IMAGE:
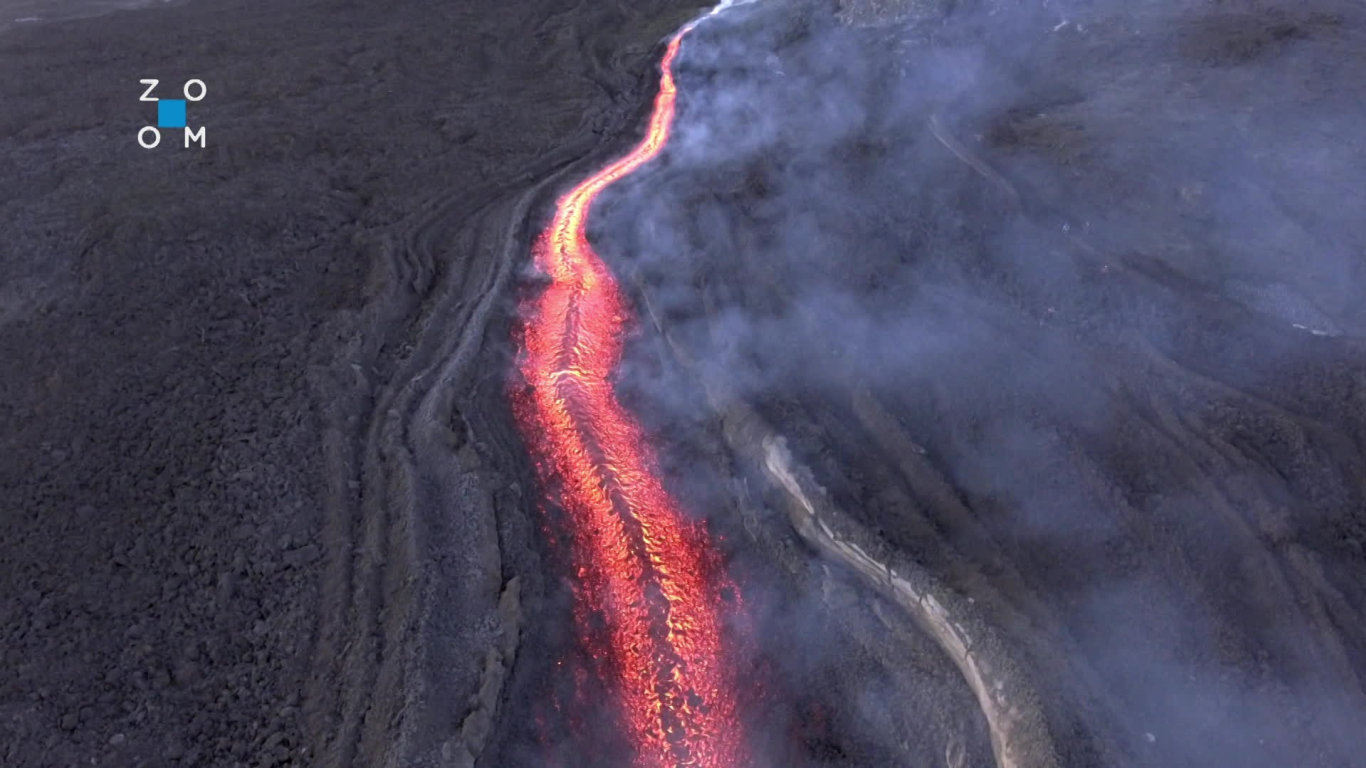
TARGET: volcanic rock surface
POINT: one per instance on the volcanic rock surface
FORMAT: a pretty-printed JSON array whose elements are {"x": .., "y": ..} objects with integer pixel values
[{"x": 1014, "y": 356}]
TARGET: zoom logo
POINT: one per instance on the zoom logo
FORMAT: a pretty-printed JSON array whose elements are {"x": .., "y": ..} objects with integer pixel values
[{"x": 171, "y": 113}]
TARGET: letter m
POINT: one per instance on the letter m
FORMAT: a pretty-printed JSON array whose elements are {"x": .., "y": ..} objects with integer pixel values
[{"x": 193, "y": 136}]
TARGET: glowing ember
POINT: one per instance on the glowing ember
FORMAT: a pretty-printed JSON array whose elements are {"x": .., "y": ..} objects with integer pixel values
[{"x": 647, "y": 588}]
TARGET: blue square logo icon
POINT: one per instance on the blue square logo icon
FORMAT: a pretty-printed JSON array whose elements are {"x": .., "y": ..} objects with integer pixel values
[{"x": 171, "y": 113}]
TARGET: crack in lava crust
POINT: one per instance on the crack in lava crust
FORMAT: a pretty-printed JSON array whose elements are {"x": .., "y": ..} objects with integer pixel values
[{"x": 649, "y": 584}]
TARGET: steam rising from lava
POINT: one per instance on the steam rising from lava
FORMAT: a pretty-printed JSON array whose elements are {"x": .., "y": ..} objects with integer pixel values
[{"x": 830, "y": 219}]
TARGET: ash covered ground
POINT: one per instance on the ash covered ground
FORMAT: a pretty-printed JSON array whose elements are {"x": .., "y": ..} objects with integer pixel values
[{"x": 1043, "y": 314}]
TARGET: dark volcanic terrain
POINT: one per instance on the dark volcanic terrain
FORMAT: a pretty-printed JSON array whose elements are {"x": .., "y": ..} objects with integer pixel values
[{"x": 1014, "y": 353}]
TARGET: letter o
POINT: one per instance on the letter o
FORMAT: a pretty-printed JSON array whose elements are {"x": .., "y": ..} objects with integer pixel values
[
  {"x": 155, "y": 134},
  {"x": 203, "y": 90}
]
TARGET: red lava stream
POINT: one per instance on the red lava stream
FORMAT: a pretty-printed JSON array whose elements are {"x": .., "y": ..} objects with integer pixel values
[{"x": 648, "y": 585}]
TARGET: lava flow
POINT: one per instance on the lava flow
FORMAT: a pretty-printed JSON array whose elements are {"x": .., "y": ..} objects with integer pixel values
[{"x": 647, "y": 582}]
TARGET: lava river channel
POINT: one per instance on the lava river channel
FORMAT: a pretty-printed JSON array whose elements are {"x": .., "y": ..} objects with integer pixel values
[{"x": 648, "y": 585}]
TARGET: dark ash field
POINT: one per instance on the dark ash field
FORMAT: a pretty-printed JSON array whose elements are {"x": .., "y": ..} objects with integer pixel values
[{"x": 1014, "y": 352}]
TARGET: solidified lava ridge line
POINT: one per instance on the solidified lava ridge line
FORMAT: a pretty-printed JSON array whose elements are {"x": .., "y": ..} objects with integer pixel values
[{"x": 648, "y": 584}]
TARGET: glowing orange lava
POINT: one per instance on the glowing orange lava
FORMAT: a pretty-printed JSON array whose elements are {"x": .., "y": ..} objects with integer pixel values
[{"x": 648, "y": 588}]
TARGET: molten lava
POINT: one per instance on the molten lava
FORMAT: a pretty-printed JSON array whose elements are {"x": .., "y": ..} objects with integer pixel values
[{"x": 648, "y": 588}]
